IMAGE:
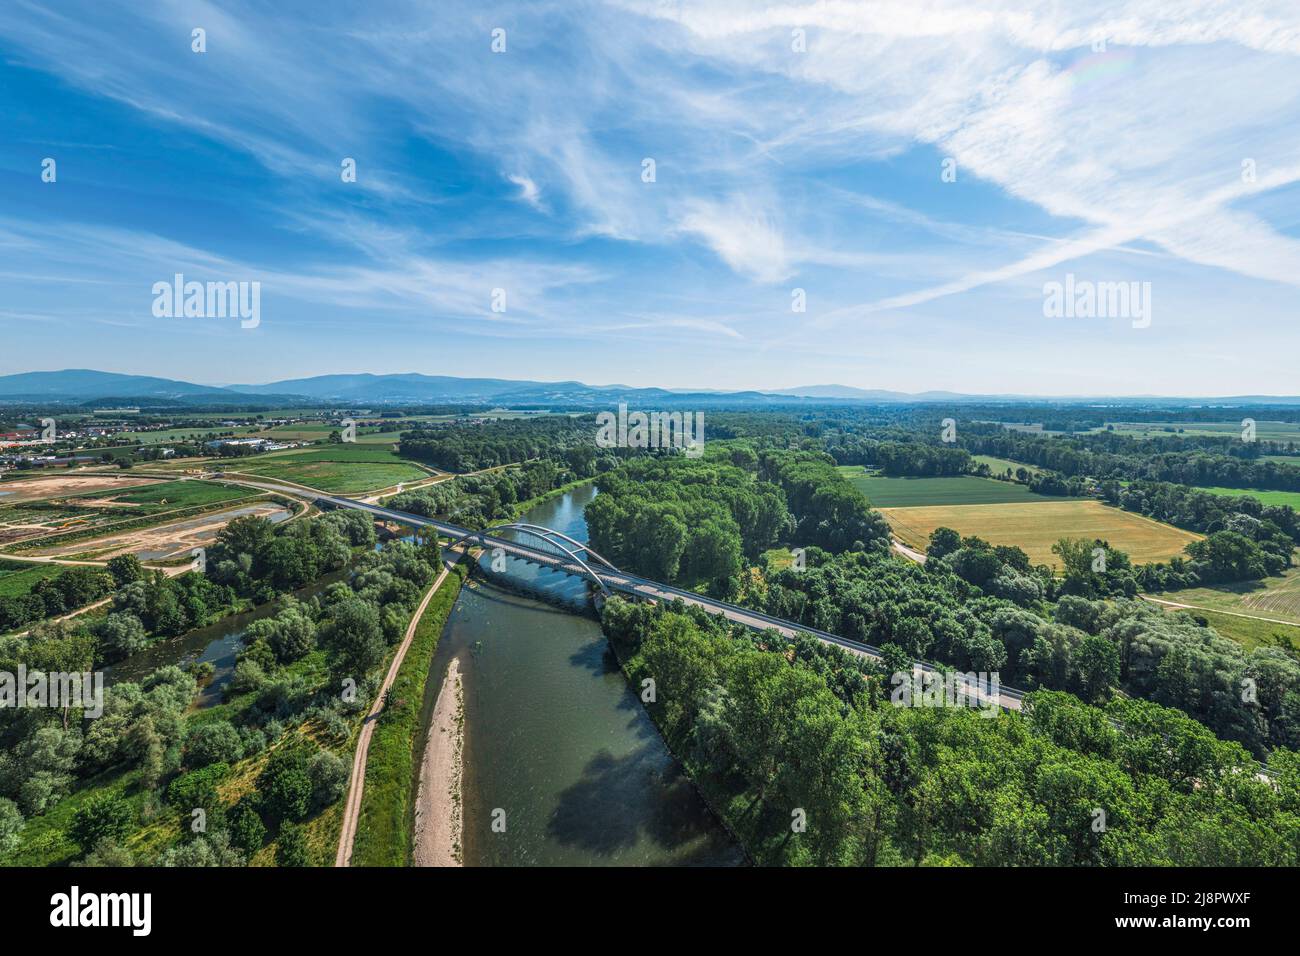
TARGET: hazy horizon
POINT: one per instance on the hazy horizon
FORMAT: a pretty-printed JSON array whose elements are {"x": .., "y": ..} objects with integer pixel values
[{"x": 1083, "y": 397}]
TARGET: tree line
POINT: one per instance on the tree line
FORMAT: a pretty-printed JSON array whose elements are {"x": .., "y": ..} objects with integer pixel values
[
  {"x": 477, "y": 501},
  {"x": 1109, "y": 456},
  {"x": 979, "y": 608}
]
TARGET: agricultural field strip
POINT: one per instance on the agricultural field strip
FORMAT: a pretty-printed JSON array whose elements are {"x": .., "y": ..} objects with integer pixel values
[
  {"x": 1036, "y": 526},
  {"x": 885, "y": 492},
  {"x": 1263, "y": 496}
]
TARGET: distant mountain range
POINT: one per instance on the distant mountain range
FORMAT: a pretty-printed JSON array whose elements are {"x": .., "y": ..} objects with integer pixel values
[
  {"x": 80, "y": 384},
  {"x": 848, "y": 392},
  {"x": 83, "y": 386}
]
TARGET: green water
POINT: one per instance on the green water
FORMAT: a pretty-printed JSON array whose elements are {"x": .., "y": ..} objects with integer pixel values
[{"x": 556, "y": 740}]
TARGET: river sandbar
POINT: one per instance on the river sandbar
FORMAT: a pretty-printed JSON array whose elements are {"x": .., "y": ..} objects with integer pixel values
[{"x": 437, "y": 839}]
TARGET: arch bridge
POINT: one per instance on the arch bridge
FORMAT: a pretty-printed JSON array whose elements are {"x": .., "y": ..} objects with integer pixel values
[{"x": 569, "y": 548}]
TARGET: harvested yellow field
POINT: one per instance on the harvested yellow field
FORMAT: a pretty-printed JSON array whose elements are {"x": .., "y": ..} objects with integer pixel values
[{"x": 1036, "y": 526}]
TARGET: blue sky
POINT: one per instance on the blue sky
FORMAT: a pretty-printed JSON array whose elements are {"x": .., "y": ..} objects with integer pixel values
[{"x": 777, "y": 168}]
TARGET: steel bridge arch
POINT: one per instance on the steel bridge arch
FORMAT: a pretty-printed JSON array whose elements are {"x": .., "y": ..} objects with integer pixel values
[{"x": 550, "y": 536}]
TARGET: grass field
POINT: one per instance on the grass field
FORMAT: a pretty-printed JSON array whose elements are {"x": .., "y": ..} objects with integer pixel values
[
  {"x": 166, "y": 495},
  {"x": 309, "y": 431},
  {"x": 999, "y": 465},
  {"x": 1249, "y": 632},
  {"x": 1291, "y": 498},
  {"x": 913, "y": 492},
  {"x": 19, "y": 577},
  {"x": 350, "y": 452},
  {"x": 1036, "y": 526},
  {"x": 336, "y": 468},
  {"x": 1276, "y": 597},
  {"x": 1264, "y": 431}
]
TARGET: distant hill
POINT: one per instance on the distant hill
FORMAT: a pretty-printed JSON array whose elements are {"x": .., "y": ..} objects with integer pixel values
[
  {"x": 80, "y": 386},
  {"x": 412, "y": 387},
  {"x": 874, "y": 394}
]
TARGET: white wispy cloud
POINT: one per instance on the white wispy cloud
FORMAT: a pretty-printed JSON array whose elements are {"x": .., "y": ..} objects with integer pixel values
[
  {"x": 742, "y": 235},
  {"x": 773, "y": 164},
  {"x": 528, "y": 191},
  {"x": 1115, "y": 138}
]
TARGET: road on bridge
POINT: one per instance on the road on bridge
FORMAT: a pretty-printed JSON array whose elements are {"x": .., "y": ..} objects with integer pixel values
[{"x": 1009, "y": 698}]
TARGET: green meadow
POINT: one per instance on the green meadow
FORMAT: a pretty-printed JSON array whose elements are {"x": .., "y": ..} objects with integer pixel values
[
  {"x": 1291, "y": 498},
  {"x": 344, "y": 469},
  {"x": 885, "y": 492}
]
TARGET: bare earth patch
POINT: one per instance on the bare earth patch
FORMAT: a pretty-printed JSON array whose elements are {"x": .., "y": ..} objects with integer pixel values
[
  {"x": 438, "y": 804},
  {"x": 174, "y": 539},
  {"x": 34, "y": 489}
]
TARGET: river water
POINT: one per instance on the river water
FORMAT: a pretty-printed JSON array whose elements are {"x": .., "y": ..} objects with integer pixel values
[
  {"x": 557, "y": 746},
  {"x": 555, "y": 738}
]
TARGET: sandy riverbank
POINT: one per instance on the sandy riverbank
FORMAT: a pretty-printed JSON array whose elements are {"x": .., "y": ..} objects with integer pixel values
[{"x": 438, "y": 804}]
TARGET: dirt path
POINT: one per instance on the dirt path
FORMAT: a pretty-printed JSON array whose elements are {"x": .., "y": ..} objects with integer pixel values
[
  {"x": 905, "y": 551},
  {"x": 43, "y": 559},
  {"x": 374, "y": 496},
  {"x": 438, "y": 804},
  {"x": 1213, "y": 610},
  {"x": 356, "y": 786}
]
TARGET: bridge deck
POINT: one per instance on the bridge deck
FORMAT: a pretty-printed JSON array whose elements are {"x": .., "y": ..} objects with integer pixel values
[{"x": 633, "y": 585}]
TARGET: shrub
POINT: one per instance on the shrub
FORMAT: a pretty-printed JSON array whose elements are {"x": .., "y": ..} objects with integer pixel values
[
  {"x": 292, "y": 848},
  {"x": 247, "y": 831},
  {"x": 198, "y": 787},
  {"x": 285, "y": 784},
  {"x": 217, "y": 742},
  {"x": 329, "y": 778},
  {"x": 107, "y": 816}
]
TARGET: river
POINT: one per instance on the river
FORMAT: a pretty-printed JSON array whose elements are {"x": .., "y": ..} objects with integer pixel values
[{"x": 557, "y": 746}]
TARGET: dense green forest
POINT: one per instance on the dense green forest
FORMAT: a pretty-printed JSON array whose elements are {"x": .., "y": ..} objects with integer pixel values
[
  {"x": 974, "y": 611},
  {"x": 476, "y": 501},
  {"x": 462, "y": 448},
  {"x": 703, "y": 522},
  {"x": 798, "y": 749},
  {"x": 706, "y": 523}
]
